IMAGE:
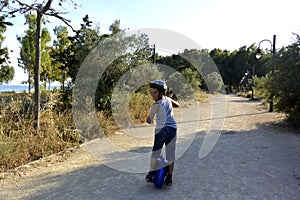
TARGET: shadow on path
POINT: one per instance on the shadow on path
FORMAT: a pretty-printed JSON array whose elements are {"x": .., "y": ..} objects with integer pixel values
[{"x": 247, "y": 165}]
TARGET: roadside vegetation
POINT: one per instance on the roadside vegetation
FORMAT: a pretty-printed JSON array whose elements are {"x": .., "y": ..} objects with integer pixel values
[{"x": 19, "y": 143}]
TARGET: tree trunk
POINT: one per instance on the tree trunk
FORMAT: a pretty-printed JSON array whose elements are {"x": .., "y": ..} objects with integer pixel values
[
  {"x": 29, "y": 79},
  {"x": 63, "y": 80},
  {"x": 40, "y": 12},
  {"x": 37, "y": 74}
]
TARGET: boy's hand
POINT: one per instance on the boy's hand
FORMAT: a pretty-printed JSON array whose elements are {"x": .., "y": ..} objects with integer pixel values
[{"x": 148, "y": 120}]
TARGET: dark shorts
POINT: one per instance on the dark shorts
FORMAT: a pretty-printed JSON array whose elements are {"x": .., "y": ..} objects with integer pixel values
[{"x": 166, "y": 136}]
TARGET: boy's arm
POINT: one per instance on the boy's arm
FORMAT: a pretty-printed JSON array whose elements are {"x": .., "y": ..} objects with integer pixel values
[
  {"x": 153, "y": 110},
  {"x": 175, "y": 104}
]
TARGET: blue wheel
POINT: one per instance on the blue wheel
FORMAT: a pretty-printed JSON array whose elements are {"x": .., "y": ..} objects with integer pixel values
[{"x": 159, "y": 177}]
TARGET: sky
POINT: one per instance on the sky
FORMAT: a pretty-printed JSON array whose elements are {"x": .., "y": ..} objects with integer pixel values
[{"x": 224, "y": 24}]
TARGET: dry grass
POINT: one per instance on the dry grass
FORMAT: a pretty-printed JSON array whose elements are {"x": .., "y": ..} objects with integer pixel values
[
  {"x": 139, "y": 106},
  {"x": 202, "y": 96},
  {"x": 18, "y": 142}
]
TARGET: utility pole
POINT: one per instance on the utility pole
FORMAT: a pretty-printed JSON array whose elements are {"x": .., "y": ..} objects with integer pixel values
[
  {"x": 258, "y": 56},
  {"x": 273, "y": 67},
  {"x": 154, "y": 54}
]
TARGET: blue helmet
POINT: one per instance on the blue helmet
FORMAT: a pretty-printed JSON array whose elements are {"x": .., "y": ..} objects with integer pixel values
[{"x": 159, "y": 85}]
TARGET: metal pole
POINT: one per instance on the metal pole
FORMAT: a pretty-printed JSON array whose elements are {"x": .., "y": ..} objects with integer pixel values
[
  {"x": 273, "y": 68},
  {"x": 154, "y": 55},
  {"x": 252, "y": 84}
]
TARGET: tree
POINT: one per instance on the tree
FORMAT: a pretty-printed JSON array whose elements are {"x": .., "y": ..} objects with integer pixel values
[
  {"x": 27, "y": 53},
  {"x": 82, "y": 43},
  {"x": 223, "y": 60},
  {"x": 6, "y": 71},
  {"x": 214, "y": 81},
  {"x": 41, "y": 9},
  {"x": 61, "y": 54},
  {"x": 115, "y": 27},
  {"x": 190, "y": 64},
  {"x": 134, "y": 52},
  {"x": 283, "y": 87},
  {"x": 286, "y": 82},
  {"x": 48, "y": 71}
]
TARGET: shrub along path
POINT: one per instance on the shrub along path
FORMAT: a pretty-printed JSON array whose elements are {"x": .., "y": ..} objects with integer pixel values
[{"x": 253, "y": 159}]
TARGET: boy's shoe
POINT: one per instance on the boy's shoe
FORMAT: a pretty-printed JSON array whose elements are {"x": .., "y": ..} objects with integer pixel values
[
  {"x": 149, "y": 177},
  {"x": 168, "y": 180}
]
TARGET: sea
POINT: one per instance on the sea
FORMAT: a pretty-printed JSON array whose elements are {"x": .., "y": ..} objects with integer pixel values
[{"x": 20, "y": 88}]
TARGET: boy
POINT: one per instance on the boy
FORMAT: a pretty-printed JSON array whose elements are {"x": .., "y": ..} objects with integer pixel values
[{"x": 166, "y": 128}]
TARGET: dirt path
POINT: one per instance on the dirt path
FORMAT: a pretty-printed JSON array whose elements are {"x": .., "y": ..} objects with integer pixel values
[{"x": 251, "y": 160}]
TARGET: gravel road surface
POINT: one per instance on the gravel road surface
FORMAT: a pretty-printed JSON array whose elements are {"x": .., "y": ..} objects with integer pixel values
[{"x": 252, "y": 159}]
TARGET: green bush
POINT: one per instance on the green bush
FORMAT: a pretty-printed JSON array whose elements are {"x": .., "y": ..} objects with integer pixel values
[
  {"x": 214, "y": 82},
  {"x": 284, "y": 85},
  {"x": 263, "y": 87}
]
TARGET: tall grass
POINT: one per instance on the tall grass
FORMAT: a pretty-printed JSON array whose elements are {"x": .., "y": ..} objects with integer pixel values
[
  {"x": 139, "y": 106},
  {"x": 19, "y": 143}
]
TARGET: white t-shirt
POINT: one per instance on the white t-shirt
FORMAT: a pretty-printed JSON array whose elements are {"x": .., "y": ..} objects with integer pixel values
[{"x": 164, "y": 113}]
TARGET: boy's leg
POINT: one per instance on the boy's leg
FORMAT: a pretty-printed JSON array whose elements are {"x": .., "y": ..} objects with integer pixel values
[
  {"x": 152, "y": 169},
  {"x": 156, "y": 151},
  {"x": 170, "y": 149},
  {"x": 171, "y": 167},
  {"x": 168, "y": 179},
  {"x": 170, "y": 154},
  {"x": 153, "y": 162}
]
